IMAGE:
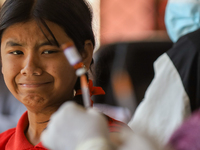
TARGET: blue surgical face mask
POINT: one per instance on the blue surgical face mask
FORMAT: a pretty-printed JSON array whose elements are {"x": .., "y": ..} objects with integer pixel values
[{"x": 182, "y": 17}]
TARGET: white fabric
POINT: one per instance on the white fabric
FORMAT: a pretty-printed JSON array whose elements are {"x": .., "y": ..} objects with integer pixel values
[
  {"x": 96, "y": 144},
  {"x": 134, "y": 141},
  {"x": 73, "y": 125},
  {"x": 165, "y": 104}
]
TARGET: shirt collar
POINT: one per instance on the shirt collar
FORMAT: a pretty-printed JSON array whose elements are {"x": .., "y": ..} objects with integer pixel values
[{"x": 19, "y": 140}]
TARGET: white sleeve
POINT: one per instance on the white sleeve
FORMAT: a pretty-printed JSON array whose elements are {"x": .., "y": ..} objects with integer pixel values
[{"x": 165, "y": 104}]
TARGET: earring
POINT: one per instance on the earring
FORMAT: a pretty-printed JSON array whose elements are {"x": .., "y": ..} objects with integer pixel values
[{"x": 74, "y": 92}]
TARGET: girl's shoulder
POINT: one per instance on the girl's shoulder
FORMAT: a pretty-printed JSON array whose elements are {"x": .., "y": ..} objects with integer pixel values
[{"x": 5, "y": 136}]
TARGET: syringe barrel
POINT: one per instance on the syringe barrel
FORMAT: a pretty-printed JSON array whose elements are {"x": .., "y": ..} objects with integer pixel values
[
  {"x": 72, "y": 55},
  {"x": 74, "y": 58}
]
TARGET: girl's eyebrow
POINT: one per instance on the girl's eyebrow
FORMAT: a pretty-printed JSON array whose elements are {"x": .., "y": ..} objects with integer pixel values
[
  {"x": 12, "y": 43},
  {"x": 50, "y": 42}
]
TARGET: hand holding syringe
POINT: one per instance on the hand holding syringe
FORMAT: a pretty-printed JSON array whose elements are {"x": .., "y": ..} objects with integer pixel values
[{"x": 75, "y": 60}]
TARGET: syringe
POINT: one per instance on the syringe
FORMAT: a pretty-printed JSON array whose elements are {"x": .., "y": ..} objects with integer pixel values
[{"x": 75, "y": 60}]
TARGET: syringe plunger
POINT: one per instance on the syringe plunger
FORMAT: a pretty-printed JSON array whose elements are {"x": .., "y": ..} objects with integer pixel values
[{"x": 74, "y": 58}]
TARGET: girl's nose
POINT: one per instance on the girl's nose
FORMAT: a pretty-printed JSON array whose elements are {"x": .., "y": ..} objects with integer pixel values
[{"x": 31, "y": 67}]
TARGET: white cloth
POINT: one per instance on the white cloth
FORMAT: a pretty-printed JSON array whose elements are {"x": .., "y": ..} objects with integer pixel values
[
  {"x": 165, "y": 105},
  {"x": 134, "y": 141}
]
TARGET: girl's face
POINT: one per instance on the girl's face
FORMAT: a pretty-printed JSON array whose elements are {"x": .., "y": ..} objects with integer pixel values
[{"x": 36, "y": 71}]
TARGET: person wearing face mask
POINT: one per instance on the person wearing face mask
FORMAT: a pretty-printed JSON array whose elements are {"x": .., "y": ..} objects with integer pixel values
[
  {"x": 182, "y": 17},
  {"x": 174, "y": 92}
]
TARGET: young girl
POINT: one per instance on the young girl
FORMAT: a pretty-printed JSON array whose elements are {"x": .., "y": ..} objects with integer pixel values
[{"x": 34, "y": 66}]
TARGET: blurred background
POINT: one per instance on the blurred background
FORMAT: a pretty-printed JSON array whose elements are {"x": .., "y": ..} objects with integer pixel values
[
  {"x": 129, "y": 20},
  {"x": 134, "y": 29}
]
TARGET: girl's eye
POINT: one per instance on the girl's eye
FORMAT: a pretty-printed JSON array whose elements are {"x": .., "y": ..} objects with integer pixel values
[
  {"x": 17, "y": 52},
  {"x": 49, "y": 51}
]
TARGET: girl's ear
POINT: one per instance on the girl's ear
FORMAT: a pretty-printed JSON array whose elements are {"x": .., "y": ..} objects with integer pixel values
[
  {"x": 1, "y": 63},
  {"x": 88, "y": 53}
]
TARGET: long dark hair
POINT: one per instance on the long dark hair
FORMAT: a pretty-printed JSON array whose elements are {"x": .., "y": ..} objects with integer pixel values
[{"x": 74, "y": 16}]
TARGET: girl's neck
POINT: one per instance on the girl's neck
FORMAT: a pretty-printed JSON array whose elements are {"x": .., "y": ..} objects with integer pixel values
[{"x": 37, "y": 124}]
